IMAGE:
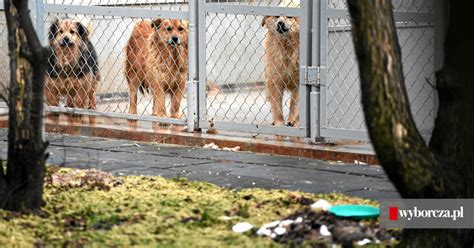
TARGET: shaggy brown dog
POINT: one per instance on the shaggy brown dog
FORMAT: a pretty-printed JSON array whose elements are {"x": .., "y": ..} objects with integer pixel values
[
  {"x": 73, "y": 70},
  {"x": 281, "y": 59},
  {"x": 157, "y": 59}
]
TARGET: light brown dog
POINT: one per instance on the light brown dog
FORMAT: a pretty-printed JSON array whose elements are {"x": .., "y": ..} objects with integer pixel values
[
  {"x": 281, "y": 59},
  {"x": 73, "y": 70},
  {"x": 157, "y": 59}
]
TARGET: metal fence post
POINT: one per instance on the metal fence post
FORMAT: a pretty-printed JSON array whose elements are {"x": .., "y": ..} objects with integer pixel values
[
  {"x": 318, "y": 59},
  {"x": 39, "y": 11},
  {"x": 192, "y": 98},
  {"x": 305, "y": 60}
]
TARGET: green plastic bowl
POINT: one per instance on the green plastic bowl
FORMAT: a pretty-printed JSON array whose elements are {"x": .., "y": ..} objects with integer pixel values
[{"x": 358, "y": 212}]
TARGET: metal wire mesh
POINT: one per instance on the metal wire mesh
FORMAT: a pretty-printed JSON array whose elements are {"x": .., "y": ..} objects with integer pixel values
[
  {"x": 109, "y": 36},
  {"x": 344, "y": 110},
  {"x": 235, "y": 70},
  {"x": 4, "y": 66},
  {"x": 279, "y": 3},
  {"x": 145, "y": 4},
  {"x": 237, "y": 87},
  {"x": 419, "y": 6}
]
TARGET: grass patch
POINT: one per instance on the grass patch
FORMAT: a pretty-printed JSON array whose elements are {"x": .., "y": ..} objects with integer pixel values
[{"x": 150, "y": 211}]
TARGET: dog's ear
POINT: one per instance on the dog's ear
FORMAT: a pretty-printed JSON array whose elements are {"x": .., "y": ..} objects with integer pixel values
[
  {"x": 53, "y": 29},
  {"x": 185, "y": 23},
  {"x": 156, "y": 23},
  {"x": 82, "y": 31},
  {"x": 264, "y": 20}
]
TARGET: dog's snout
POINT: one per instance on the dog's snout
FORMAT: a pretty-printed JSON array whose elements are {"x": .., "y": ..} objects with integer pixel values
[
  {"x": 66, "y": 41},
  {"x": 281, "y": 27},
  {"x": 174, "y": 40}
]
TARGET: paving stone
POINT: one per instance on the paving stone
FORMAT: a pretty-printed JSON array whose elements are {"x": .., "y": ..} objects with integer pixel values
[{"x": 229, "y": 169}]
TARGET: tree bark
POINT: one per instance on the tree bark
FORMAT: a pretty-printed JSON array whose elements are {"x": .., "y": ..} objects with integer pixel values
[
  {"x": 21, "y": 185},
  {"x": 445, "y": 168}
]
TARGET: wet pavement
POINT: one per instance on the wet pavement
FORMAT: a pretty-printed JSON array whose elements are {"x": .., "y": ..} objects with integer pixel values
[{"x": 225, "y": 168}]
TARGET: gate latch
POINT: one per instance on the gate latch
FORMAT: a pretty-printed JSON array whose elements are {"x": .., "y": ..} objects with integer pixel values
[{"x": 312, "y": 75}]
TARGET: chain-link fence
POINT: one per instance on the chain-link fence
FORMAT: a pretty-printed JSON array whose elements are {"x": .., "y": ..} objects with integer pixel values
[
  {"x": 243, "y": 66},
  {"x": 4, "y": 67},
  {"x": 252, "y": 73},
  {"x": 123, "y": 83},
  {"x": 343, "y": 114}
]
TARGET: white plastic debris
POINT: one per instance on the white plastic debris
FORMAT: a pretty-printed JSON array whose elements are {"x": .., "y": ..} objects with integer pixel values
[
  {"x": 280, "y": 230},
  {"x": 271, "y": 224},
  {"x": 299, "y": 220},
  {"x": 216, "y": 147},
  {"x": 364, "y": 242},
  {"x": 242, "y": 227},
  {"x": 264, "y": 232},
  {"x": 321, "y": 205},
  {"x": 286, "y": 223},
  {"x": 323, "y": 230},
  {"x": 232, "y": 149},
  {"x": 212, "y": 146}
]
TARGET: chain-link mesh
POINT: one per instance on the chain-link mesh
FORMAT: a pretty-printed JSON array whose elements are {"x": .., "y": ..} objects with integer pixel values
[
  {"x": 343, "y": 108},
  {"x": 419, "y": 6},
  {"x": 239, "y": 88},
  {"x": 115, "y": 86},
  {"x": 4, "y": 66},
  {"x": 145, "y": 4},
  {"x": 279, "y": 3}
]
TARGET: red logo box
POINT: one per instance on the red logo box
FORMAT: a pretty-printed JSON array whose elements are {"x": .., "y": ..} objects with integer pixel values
[{"x": 393, "y": 213}]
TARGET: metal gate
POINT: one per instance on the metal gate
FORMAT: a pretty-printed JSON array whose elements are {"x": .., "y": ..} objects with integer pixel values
[
  {"x": 226, "y": 86},
  {"x": 239, "y": 104}
]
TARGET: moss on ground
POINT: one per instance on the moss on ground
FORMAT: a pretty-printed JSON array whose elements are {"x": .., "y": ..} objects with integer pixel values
[{"x": 150, "y": 211}]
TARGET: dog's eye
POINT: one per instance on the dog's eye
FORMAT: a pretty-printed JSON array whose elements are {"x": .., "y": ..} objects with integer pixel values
[
  {"x": 180, "y": 29},
  {"x": 61, "y": 31},
  {"x": 72, "y": 32},
  {"x": 169, "y": 29}
]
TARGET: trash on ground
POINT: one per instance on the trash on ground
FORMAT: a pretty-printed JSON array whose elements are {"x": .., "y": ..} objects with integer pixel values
[
  {"x": 216, "y": 147},
  {"x": 324, "y": 228},
  {"x": 242, "y": 227},
  {"x": 321, "y": 205}
]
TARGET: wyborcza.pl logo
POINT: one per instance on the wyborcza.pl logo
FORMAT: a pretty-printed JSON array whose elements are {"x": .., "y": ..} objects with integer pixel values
[
  {"x": 409, "y": 214},
  {"x": 427, "y": 213}
]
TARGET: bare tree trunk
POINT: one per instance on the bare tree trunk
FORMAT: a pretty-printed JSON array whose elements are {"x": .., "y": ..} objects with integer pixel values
[
  {"x": 21, "y": 185},
  {"x": 446, "y": 168}
]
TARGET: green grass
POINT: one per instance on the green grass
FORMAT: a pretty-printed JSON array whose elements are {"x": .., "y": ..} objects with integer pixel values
[{"x": 149, "y": 211}]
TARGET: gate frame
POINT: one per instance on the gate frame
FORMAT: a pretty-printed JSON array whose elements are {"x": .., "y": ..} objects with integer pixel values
[{"x": 304, "y": 12}]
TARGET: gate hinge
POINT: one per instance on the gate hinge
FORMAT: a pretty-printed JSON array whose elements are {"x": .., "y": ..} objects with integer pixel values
[{"x": 312, "y": 75}]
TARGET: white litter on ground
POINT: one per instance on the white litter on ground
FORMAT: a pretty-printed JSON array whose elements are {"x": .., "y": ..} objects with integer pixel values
[
  {"x": 216, "y": 147},
  {"x": 364, "y": 242},
  {"x": 242, "y": 227},
  {"x": 321, "y": 205},
  {"x": 323, "y": 230},
  {"x": 280, "y": 230}
]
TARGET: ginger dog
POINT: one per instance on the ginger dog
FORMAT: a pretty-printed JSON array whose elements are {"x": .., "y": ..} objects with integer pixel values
[
  {"x": 157, "y": 60},
  {"x": 281, "y": 59},
  {"x": 73, "y": 68}
]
